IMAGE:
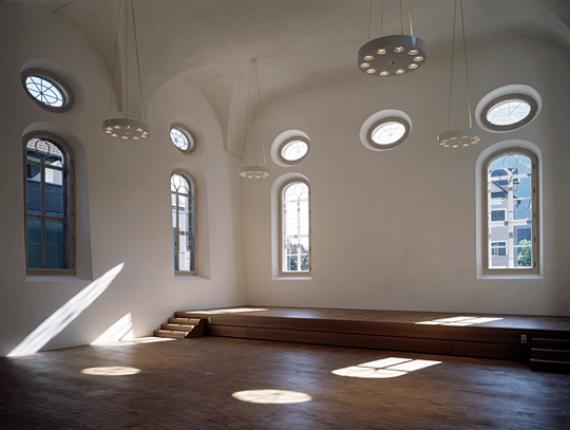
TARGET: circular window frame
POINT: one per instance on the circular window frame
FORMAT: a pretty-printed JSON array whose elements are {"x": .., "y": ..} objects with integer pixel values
[
  {"x": 378, "y": 123},
  {"x": 283, "y": 139},
  {"x": 511, "y": 91},
  {"x": 186, "y": 131},
  {"x": 55, "y": 80},
  {"x": 510, "y": 127},
  {"x": 289, "y": 140}
]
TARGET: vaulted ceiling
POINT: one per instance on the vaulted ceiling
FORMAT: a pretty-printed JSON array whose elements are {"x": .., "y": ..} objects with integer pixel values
[{"x": 299, "y": 43}]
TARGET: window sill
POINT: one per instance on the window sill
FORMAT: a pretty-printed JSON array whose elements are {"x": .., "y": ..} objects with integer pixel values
[
  {"x": 46, "y": 279},
  {"x": 292, "y": 278},
  {"x": 190, "y": 277},
  {"x": 510, "y": 276}
]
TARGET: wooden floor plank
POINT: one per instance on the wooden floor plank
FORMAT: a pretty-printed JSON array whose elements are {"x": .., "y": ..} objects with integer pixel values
[{"x": 188, "y": 384}]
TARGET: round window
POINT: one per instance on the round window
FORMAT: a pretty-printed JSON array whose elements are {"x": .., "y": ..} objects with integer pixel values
[
  {"x": 388, "y": 133},
  {"x": 508, "y": 108},
  {"x": 181, "y": 138},
  {"x": 509, "y": 112},
  {"x": 46, "y": 90},
  {"x": 294, "y": 150}
]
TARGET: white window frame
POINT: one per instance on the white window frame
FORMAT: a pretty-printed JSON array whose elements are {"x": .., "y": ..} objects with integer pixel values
[
  {"x": 483, "y": 251},
  {"x": 282, "y": 189},
  {"x": 191, "y": 222}
]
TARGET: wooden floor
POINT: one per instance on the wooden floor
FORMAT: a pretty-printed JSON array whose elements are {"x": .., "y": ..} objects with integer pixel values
[
  {"x": 471, "y": 335},
  {"x": 188, "y": 384}
]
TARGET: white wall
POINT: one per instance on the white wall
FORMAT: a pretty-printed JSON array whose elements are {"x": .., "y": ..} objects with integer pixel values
[
  {"x": 396, "y": 229},
  {"x": 127, "y": 185}
]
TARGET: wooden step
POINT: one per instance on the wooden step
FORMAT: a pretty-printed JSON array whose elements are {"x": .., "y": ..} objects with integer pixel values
[
  {"x": 186, "y": 321},
  {"x": 550, "y": 354},
  {"x": 178, "y": 327},
  {"x": 175, "y": 334},
  {"x": 551, "y": 343}
]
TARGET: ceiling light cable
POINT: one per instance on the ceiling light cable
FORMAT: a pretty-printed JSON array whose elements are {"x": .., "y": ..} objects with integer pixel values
[
  {"x": 115, "y": 49},
  {"x": 451, "y": 68},
  {"x": 137, "y": 55},
  {"x": 467, "y": 86}
]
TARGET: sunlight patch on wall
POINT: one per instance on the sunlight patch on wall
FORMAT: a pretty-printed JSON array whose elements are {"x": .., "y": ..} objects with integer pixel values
[
  {"x": 461, "y": 321},
  {"x": 122, "y": 329},
  {"x": 275, "y": 397},
  {"x": 390, "y": 367},
  {"x": 65, "y": 315},
  {"x": 111, "y": 371}
]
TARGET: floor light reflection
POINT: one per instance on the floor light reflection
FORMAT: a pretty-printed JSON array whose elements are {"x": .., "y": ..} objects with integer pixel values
[
  {"x": 462, "y": 321},
  {"x": 390, "y": 367},
  {"x": 111, "y": 371},
  {"x": 61, "y": 318},
  {"x": 149, "y": 339},
  {"x": 275, "y": 397}
]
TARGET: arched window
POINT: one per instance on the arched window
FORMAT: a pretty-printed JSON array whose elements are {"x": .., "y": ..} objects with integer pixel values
[
  {"x": 510, "y": 197},
  {"x": 49, "y": 206},
  {"x": 183, "y": 223},
  {"x": 295, "y": 228}
]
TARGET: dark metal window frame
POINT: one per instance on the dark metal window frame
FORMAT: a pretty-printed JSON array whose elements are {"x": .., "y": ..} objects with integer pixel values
[
  {"x": 191, "y": 223},
  {"x": 54, "y": 79},
  {"x": 68, "y": 174}
]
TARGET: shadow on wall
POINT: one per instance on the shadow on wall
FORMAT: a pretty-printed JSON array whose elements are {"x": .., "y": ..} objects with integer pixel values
[{"x": 66, "y": 314}]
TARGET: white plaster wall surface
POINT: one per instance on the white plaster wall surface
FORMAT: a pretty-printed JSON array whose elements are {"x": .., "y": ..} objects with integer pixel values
[
  {"x": 127, "y": 185},
  {"x": 396, "y": 229}
]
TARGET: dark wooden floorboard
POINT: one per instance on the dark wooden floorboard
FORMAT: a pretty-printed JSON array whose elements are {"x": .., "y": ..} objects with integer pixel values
[{"x": 188, "y": 384}]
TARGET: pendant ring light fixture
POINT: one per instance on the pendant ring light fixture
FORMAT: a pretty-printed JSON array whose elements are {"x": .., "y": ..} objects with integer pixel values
[
  {"x": 255, "y": 165},
  {"x": 126, "y": 127},
  {"x": 393, "y": 55},
  {"x": 462, "y": 137}
]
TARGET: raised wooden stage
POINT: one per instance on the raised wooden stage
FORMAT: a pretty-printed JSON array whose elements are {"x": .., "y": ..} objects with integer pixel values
[{"x": 472, "y": 335}]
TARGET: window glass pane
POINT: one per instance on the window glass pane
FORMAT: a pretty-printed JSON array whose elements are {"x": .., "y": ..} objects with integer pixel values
[
  {"x": 46, "y": 91},
  {"x": 508, "y": 112},
  {"x": 498, "y": 215},
  {"x": 54, "y": 192},
  {"x": 296, "y": 228},
  {"x": 510, "y": 197},
  {"x": 54, "y": 245},
  {"x": 522, "y": 187},
  {"x": 523, "y": 235},
  {"x": 182, "y": 211},
  {"x": 294, "y": 150},
  {"x": 33, "y": 191},
  {"x": 34, "y": 248},
  {"x": 523, "y": 256},
  {"x": 523, "y": 209},
  {"x": 47, "y": 195}
]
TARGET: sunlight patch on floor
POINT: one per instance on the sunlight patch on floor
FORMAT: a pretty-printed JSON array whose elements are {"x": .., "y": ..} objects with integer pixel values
[
  {"x": 275, "y": 397},
  {"x": 390, "y": 367},
  {"x": 110, "y": 371}
]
